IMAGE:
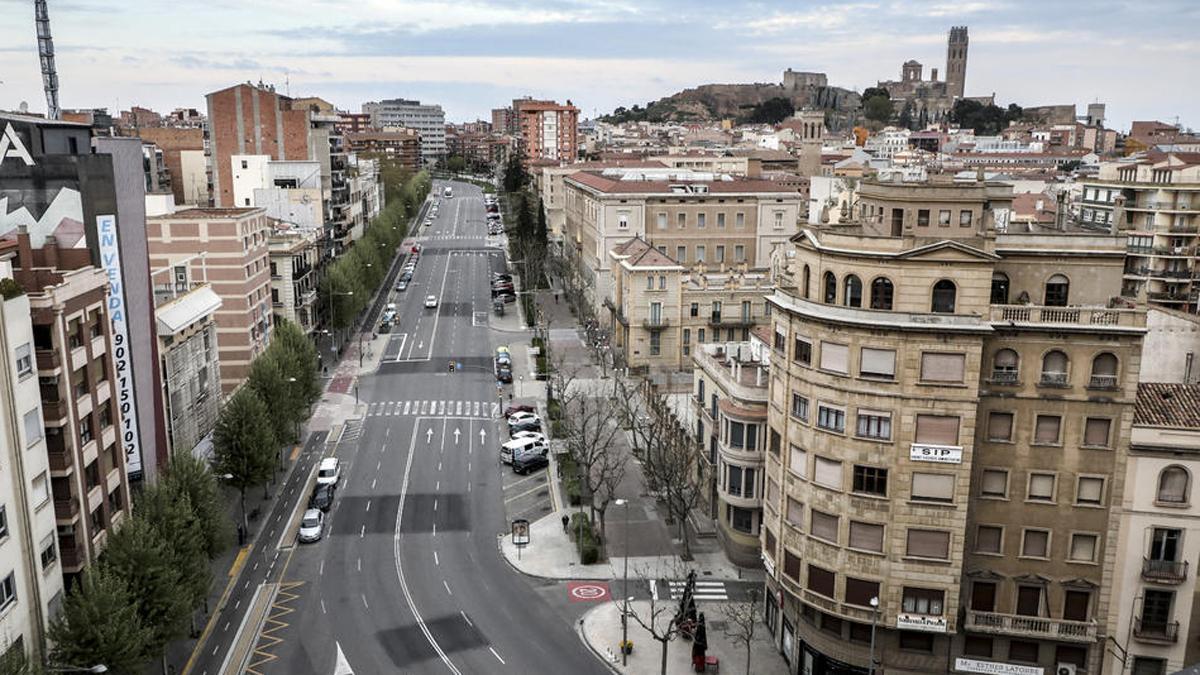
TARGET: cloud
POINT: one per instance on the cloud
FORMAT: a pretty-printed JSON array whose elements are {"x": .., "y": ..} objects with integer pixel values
[{"x": 197, "y": 62}]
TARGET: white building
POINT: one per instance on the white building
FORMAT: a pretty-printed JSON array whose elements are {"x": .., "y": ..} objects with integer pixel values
[
  {"x": 429, "y": 120},
  {"x": 290, "y": 191}
]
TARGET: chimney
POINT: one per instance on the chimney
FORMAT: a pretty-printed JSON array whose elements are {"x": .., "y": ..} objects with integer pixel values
[
  {"x": 24, "y": 250},
  {"x": 933, "y": 75},
  {"x": 50, "y": 251}
]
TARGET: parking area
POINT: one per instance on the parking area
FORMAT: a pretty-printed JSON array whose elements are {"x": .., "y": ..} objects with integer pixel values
[{"x": 525, "y": 496}]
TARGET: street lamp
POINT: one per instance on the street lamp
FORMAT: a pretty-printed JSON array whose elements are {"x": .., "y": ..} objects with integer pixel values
[
  {"x": 625, "y": 586},
  {"x": 245, "y": 523},
  {"x": 874, "y": 602},
  {"x": 65, "y": 668}
]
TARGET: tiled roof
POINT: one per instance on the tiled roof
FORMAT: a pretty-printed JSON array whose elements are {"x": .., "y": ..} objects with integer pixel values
[
  {"x": 617, "y": 186},
  {"x": 186, "y": 214},
  {"x": 1166, "y": 404}
]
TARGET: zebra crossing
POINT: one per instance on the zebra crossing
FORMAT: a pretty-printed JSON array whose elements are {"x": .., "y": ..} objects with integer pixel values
[
  {"x": 435, "y": 408},
  {"x": 705, "y": 590}
]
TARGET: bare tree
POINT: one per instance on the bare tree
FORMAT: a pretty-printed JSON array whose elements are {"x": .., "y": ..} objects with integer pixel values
[
  {"x": 741, "y": 620},
  {"x": 662, "y": 619},
  {"x": 591, "y": 433}
]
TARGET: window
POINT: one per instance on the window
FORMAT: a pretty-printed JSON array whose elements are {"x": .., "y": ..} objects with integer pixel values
[
  {"x": 49, "y": 551},
  {"x": 994, "y": 483},
  {"x": 1089, "y": 490},
  {"x": 830, "y": 290},
  {"x": 943, "y": 297},
  {"x": 874, "y": 425},
  {"x": 803, "y": 351},
  {"x": 720, "y": 255},
  {"x": 721, "y": 219},
  {"x": 791, "y": 565},
  {"x": 824, "y": 526},
  {"x": 1054, "y": 369},
  {"x": 1046, "y": 430},
  {"x": 662, "y": 221},
  {"x": 852, "y": 291},
  {"x": 1057, "y": 290},
  {"x": 1164, "y": 547},
  {"x": 662, "y": 282},
  {"x": 24, "y": 360},
  {"x": 806, "y": 282},
  {"x": 1156, "y": 612},
  {"x": 999, "y": 288},
  {"x": 978, "y": 645},
  {"x": 772, "y": 494},
  {"x": 821, "y": 581},
  {"x": 860, "y": 592},
  {"x": 944, "y": 218},
  {"x": 40, "y": 489},
  {"x": 795, "y": 513},
  {"x": 1146, "y": 665},
  {"x": 622, "y": 221},
  {"x": 695, "y": 311},
  {"x": 1083, "y": 548},
  {"x": 8, "y": 590},
  {"x": 740, "y": 519},
  {"x": 33, "y": 427},
  {"x": 701, "y": 220},
  {"x": 866, "y": 536},
  {"x": 881, "y": 293},
  {"x": 870, "y": 480},
  {"x": 798, "y": 462},
  {"x": 939, "y": 367},
  {"x": 922, "y": 217},
  {"x": 922, "y": 601},
  {"x": 687, "y": 337},
  {"x": 1004, "y": 367},
  {"x": 1095, "y": 432},
  {"x": 988, "y": 539},
  {"x": 739, "y": 219},
  {"x": 936, "y": 430},
  {"x": 739, "y": 253},
  {"x": 928, "y": 544},
  {"x": 3, "y": 521},
  {"x": 831, "y": 419},
  {"x": 1000, "y": 426},
  {"x": 800, "y": 407},
  {"x": 1104, "y": 372},
  {"x": 827, "y": 472},
  {"x": 699, "y": 254},
  {"x": 933, "y": 487},
  {"x": 964, "y": 218},
  {"x": 1035, "y": 544},
  {"x": 680, "y": 254},
  {"x": 916, "y": 642},
  {"x": 877, "y": 363},
  {"x": 1173, "y": 485},
  {"x": 1020, "y": 650},
  {"x": 655, "y": 343},
  {"x": 1041, "y": 487},
  {"x": 649, "y": 282},
  {"x": 835, "y": 357},
  {"x": 983, "y": 596}
]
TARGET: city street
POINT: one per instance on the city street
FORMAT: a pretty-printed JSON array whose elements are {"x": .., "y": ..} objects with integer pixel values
[{"x": 409, "y": 576}]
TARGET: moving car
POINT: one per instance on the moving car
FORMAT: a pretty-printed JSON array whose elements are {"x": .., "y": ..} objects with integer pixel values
[
  {"x": 521, "y": 446},
  {"x": 520, "y": 408},
  {"x": 431, "y": 301},
  {"x": 329, "y": 472},
  {"x": 312, "y": 526},
  {"x": 529, "y": 463},
  {"x": 504, "y": 374},
  {"x": 322, "y": 497}
]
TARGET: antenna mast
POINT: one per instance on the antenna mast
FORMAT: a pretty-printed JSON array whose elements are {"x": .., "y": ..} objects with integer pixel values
[{"x": 46, "y": 53}]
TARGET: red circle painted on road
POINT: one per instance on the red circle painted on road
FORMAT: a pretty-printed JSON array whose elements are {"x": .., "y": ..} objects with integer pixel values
[{"x": 587, "y": 591}]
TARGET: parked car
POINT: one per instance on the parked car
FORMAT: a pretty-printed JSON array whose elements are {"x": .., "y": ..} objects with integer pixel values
[
  {"x": 522, "y": 417},
  {"x": 431, "y": 301},
  {"x": 536, "y": 435},
  {"x": 527, "y": 425},
  {"x": 520, "y": 408},
  {"x": 504, "y": 360},
  {"x": 322, "y": 497},
  {"x": 329, "y": 472},
  {"x": 529, "y": 462},
  {"x": 519, "y": 446},
  {"x": 402, "y": 285},
  {"x": 406, "y": 276},
  {"x": 312, "y": 526}
]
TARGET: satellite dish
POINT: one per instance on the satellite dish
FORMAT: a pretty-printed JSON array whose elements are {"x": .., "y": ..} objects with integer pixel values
[{"x": 24, "y": 107}]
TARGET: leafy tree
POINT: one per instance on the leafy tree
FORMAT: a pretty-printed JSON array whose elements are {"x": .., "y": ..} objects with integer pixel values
[
  {"x": 872, "y": 92},
  {"x": 984, "y": 119},
  {"x": 173, "y": 521},
  {"x": 543, "y": 232},
  {"x": 456, "y": 164},
  {"x": 267, "y": 380},
  {"x": 515, "y": 177},
  {"x": 100, "y": 623},
  {"x": 298, "y": 360},
  {"x": 878, "y": 109},
  {"x": 188, "y": 477},
  {"x": 243, "y": 443},
  {"x": 771, "y": 111},
  {"x": 906, "y": 119}
]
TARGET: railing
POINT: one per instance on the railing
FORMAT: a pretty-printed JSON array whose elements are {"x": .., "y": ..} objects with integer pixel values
[
  {"x": 716, "y": 319},
  {"x": 66, "y": 509},
  {"x": 1139, "y": 271},
  {"x": 60, "y": 461},
  {"x": 1185, "y": 229},
  {"x": 1141, "y": 250},
  {"x": 47, "y": 359},
  {"x": 1170, "y": 297},
  {"x": 1079, "y": 316},
  {"x": 1004, "y": 377},
  {"x": 1102, "y": 382},
  {"x": 656, "y": 322},
  {"x": 1159, "y": 632},
  {"x": 1031, "y": 626},
  {"x": 54, "y": 410},
  {"x": 1053, "y": 380},
  {"x": 1171, "y": 274},
  {"x": 1164, "y": 571}
]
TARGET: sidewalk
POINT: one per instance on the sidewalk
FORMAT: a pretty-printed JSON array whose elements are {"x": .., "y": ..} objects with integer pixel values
[{"x": 600, "y": 629}]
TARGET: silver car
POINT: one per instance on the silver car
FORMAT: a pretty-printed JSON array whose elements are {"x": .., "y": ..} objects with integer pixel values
[{"x": 312, "y": 526}]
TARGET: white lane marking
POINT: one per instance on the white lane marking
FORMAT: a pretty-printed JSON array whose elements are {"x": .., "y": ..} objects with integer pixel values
[
  {"x": 439, "y": 466},
  {"x": 435, "y": 503},
  {"x": 368, "y": 505},
  {"x": 437, "y": 487},
  {"x": 434, "y": 530},
  {"x": 493, "y": 650},
  {"x": 464, "y": 616},
  {"x": 363, "y": 532},
  {"x": 360, "y": 564},
  {"x": 373, "y": 483},
  {"x": 364, "y": 599},
  {"x": 435, "y": 559},
  {"x": 321, "y": 571},
  {"x": 236, "y": 605},
  {"x": 653, "y": 589},
  {"x": 322, "y": 605},
  {"x": 226, "y": 626},
  {"x": 448, "y": 591},
  {"x": 255, "y": 566}
]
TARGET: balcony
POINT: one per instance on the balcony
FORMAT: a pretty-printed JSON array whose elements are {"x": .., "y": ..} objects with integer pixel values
[
  {"x": 1031, "y": 626},
  {"x": 61, "y": 461},
  {"x": 1164, "y": 571},
  {"x": 69, "y": 554},
  {"x": 717, "y": 319},
  {"x": 1168, "y": 296},
  {"x": 1184, "y": 229},
  {"x": 1171, "y": 274},
  {"x": 1055, "y": 380},
  {"x": 655, "y": 322},
  {"x": 53, "y": 411},
  {"x": 48, "y": 360},
  {"x": 66, "y": 509},
  {"x": 1108, "y": 382},
  {"x": 1004, "y": 377},
  {"x": 1067, "y": 316},
  {"x": 1156, "y": 632}
]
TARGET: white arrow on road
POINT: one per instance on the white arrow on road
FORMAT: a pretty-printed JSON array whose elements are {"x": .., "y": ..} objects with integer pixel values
[
  {"x": 482, "y": 435},
  {"x": 428, "y": 436},
  {"x": 343, "y": 666},
  {"x": 456, "y": 432}
]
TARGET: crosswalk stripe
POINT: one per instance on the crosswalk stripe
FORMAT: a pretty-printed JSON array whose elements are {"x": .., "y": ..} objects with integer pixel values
[{"x": 456, "y": 408}]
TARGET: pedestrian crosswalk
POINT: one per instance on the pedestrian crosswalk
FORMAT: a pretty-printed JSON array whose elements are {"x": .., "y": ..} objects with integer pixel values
[
  {"x": 705, "y": 590},
  {"x": 435, "y": 408},
  {"x": 351, "y": 431}
]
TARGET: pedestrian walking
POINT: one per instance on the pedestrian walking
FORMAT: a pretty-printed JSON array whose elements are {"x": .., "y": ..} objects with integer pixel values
[{"x": 566, "y": 521}]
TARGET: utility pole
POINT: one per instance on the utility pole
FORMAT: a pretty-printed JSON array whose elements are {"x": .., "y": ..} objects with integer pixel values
[{"x": 46, "y": 53}]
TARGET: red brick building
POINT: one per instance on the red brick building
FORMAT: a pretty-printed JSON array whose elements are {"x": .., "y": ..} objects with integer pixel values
[{"x": 549, "y": 130}]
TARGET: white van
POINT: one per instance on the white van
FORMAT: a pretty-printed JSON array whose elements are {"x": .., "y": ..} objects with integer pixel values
[
  {"x": 520, "y": 446},
  {"x": 330, "y": 471}
]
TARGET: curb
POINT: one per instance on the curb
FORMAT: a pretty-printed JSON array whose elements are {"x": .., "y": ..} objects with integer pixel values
[
  {"x": 612, "y": 668},
  {"x": 500, "y": 549}
]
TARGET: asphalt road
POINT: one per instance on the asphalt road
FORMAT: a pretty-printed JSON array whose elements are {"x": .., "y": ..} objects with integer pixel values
[{"x": 409, "y": 577}]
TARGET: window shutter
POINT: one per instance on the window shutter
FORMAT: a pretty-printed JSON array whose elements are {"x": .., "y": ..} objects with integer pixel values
[
  {"x": 1091, "y": 490},
  {"x": 937, "y": 429},
  {"x": 824, "y": 525},
  {"x": 835, "y": 357},
  {"x": 1047, "y": 429},
  {"x": 928, "y": 544},
  {"x": 772, "y": 493},
  {"x": 795, "y": 513},
  {"x": 1035, "y": 544},
  {"x": 1000, "y": 426},
  {"x": 1096, "y": 432},
  {"x": 881, "y": 362},
  {"x": 791, "y": 565},
  {"x": 860, "y": 591},
  {"x": 798, "y": 463},
  {"x": 821, "y": 581},
  {"x": 942, "y": 367},
  {"x": 995, "y": 482},
  {"x": 1041, "y": 485},
  {"x": 987, "y": 539},
  {"x": 828, "y": 472},
  {"x": 1083, "y": 547},
  {"x": 933, "y": 486},
  {"x": 1054, "y": 362},
  {"x": 866, "y": 536}
]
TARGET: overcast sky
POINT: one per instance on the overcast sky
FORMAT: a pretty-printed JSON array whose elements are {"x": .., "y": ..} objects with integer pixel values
[{"x": 1142, "y": 58}]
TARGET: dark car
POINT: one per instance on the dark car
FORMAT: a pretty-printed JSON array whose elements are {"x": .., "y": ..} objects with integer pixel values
[
  {"x": 504, "y": 374},
  {"x": 531, "y": 425},
  {"x": 501, "y": 276},
  {"x": 508, "y": 412},
  {"x": 529, "y": 462},
  {"x": 322, "y": 497}
]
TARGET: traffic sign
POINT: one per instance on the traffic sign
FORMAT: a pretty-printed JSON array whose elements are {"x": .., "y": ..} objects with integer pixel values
[{"x": 587, "y": 591}]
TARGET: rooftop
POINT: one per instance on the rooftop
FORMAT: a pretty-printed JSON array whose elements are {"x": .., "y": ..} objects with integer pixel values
[
  {"x": 208, "y": 214},
  {"x": 1166, "y": 404},
  {"x": 673, "y": 181}
]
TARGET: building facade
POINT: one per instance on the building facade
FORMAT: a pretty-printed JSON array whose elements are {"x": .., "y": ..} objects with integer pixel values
[
  {"x": 548, "y": 130},
  {"x": 402, "y": 146},
  {"x": 295, "y": 261},
  {"x": 429, "y": 120},
  {"x": 187, "y": 335}
]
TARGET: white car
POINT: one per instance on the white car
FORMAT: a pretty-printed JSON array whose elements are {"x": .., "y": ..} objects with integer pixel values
[
  {"x": 533, "y": 435},
  {"x": 312, "y": 526},
  {"x": 329, "y": 472},
  {"x": 518, "y": 418},
  {"x": 431, "y": 301}
]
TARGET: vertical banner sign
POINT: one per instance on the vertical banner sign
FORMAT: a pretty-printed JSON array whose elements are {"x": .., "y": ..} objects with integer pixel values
[{"x": 110, "y": 260}]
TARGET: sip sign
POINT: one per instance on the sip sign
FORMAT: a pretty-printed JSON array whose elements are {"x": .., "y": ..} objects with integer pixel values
[
  {"x": 940, "y": 454},
  {"x": 110, "y": 261}
]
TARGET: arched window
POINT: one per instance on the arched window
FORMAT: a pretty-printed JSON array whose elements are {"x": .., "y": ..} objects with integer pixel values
[
  {"x": 806, "y": 274},
  {"x": 943, "y": 297},
  {"x": 1004, "y": 366},
  {"x": 1173, "y": 485},
  {"x": 1054, "y": 369},
  {"x": 999, "y": 288},
  {"x": 1104, "y": 371},
  {"x": 1057, "y": 290},
  {"x": 881, "y": 293},
  {"x": 852, "y": 294},
  {"x": 830, "y": 288}
]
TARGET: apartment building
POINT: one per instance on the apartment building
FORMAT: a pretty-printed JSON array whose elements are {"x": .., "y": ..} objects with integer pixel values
[
  {"x": 429, "y": 120},
  {"x": 31, "y": 580},
  {"x": 1155, "y": 199},
  {"x": 719, "y": 221},
  {"x": 948, "y": 424},
  {"x": 1156, "y": 626},
  {"x": 289, "y": 191},
  {"x": 661, "y": 310},
  {"x": 548, "y": 183},
  {"x": 401, "y": 146},
  {"x": 729, "y": 396},
  {"x": 548, "y": 130},
  {"x": 227, "y": 249},
  {"x": 183, "y": 153},
  {"x": 295, "y": 259}
]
